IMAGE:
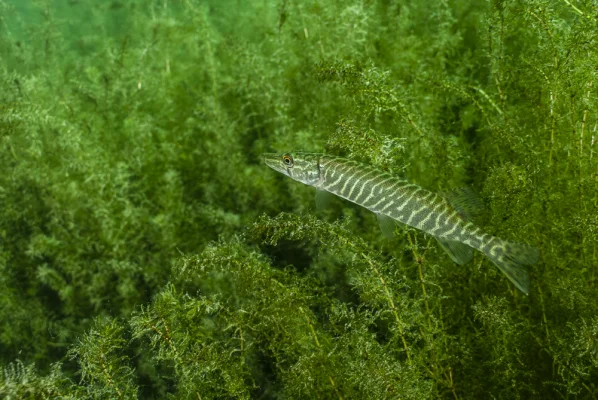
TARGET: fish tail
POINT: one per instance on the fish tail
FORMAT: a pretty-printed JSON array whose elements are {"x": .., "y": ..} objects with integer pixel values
[{"x": 511, "y": 258}]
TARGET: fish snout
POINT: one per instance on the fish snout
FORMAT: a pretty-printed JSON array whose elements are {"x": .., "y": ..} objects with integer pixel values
[{"x": 272, "y": 160}]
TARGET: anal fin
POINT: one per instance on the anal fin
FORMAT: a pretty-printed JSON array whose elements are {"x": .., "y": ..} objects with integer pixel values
[{"x": 459, "y": 252}]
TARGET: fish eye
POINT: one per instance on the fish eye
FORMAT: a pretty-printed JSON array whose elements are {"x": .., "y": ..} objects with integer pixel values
[{"x": 287, "y": 159}]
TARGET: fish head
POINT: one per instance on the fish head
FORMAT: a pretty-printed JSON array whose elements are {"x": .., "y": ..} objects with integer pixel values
[{"x": 302, "y": 167}]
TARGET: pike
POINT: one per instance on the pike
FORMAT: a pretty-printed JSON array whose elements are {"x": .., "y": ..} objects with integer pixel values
[{"x": 444, "y": 216}]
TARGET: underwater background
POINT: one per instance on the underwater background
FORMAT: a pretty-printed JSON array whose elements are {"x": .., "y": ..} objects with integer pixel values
[{"x": 147, "y": 252}]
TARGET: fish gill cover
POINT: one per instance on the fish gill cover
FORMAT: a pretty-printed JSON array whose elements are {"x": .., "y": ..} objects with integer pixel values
[{"x": 147, "y": 252}]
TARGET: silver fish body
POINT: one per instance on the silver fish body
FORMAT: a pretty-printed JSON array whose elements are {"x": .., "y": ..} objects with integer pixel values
[{"x": 392, "y": 197}]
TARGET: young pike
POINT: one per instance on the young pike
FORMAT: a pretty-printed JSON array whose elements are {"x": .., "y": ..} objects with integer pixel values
[{"x": 394, "y": 199}]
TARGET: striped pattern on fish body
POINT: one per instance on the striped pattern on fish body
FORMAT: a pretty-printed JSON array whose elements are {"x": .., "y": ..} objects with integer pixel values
[
  {"x": 385, "y": 194},
  {"x": 405, "y": 202}
]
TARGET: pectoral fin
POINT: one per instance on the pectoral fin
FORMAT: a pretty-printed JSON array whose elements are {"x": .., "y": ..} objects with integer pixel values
[
  {"x": 322, "y": 199},
  {"x": 387, "y": 225},
  {"x": 459, "y": 252}
]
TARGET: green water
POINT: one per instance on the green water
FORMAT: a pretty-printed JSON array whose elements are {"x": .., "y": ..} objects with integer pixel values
[{"x": 147, "y": 252}]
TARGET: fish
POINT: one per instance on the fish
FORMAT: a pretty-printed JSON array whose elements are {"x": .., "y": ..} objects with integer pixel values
[{"x": 445, "y": 215}]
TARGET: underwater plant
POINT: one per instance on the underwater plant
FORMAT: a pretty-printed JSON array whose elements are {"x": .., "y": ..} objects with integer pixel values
[{"x": 146, "y": 252}]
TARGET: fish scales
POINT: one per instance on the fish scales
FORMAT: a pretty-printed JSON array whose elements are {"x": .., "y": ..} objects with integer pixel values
[{"x": 383, "y": 193}]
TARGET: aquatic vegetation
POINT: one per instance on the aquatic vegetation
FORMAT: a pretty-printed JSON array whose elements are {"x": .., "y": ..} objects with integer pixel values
[{"x": 146, "y": 251}]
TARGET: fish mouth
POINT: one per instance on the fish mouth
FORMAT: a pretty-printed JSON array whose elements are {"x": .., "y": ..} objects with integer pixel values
[{"x": 273, "y": 160}]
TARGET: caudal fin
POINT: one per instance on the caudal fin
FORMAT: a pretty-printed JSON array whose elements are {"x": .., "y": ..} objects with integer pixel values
[{"x": 511, "y": 259}]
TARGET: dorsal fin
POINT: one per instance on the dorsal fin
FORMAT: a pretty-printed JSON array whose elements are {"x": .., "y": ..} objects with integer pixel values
[{"x": 465, "y": 201}]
